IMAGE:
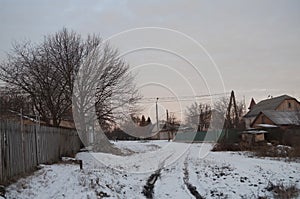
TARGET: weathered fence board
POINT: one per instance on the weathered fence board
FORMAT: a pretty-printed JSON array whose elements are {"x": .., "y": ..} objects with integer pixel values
[{"x": 24, "y": 147}]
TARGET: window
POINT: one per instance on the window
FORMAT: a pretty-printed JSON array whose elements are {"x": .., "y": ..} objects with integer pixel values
[{"x": 289, "y": 105}]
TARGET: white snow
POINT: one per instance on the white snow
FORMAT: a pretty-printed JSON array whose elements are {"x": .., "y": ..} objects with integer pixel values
[
  {"x": 267, "y": 125},
  {"x": 214, "y": 174}
]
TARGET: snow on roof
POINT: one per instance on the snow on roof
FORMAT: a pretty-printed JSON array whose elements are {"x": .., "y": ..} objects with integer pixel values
[
  {"x": 255, "y": 132},
  {"x": 185, "y": 128},
  {"x": 266, "y": 125}
]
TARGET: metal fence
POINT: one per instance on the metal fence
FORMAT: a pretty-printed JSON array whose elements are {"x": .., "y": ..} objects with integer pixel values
[
  {"x": 230, "y": 135},
  {"x": 24, "y": 147}
]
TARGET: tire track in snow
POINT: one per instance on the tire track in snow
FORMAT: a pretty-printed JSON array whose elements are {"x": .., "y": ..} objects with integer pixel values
[
  {"x": 192, "y": 189},
  {"x": 148, "y": 188}
]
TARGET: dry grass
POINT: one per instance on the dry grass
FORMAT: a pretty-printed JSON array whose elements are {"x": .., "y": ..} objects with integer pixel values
[
  {"x": 283, "y": 192},
  {"x": 278, "y": 151},
  {"x": 223, "y": 146},
  {"x": 295, "y": 153},
  {"x": 261, "y": 149}
]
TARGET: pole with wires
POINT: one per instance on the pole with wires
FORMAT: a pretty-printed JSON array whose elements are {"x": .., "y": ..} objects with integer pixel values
[{"x": 157, "y": 124}]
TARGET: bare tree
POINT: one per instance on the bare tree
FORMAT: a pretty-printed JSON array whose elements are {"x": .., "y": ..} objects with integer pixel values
[
  {"x": 103, "y": 91},
  {"x": 14, "y": 101},
  {"x": 172, "y": 124},
  {"x": 46, "y": 71},
  {"x": 201, "y": 116},
  {"x": 221, "y": 106},
  {"x": 198, "y": 115},
  {"x": 50, "y": 71}
]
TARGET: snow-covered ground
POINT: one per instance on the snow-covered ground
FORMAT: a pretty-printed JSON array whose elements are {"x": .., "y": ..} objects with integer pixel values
[{"x": 213, "y": 174}]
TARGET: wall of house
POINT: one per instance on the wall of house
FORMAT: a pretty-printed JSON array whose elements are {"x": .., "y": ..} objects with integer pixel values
[
  {"x": 284, "y": 106},
  {"x": 262, "y": 119},
  {"x": 250, "y": 138},
  {"x": 259, "y": 137}
]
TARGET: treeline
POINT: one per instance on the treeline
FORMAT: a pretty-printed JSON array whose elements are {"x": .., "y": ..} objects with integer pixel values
[{"x": 130, "y": 130}]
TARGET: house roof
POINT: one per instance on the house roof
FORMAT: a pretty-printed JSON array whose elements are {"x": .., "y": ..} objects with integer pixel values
[
  {"x": 252, "y": 103},
  {"x": 283, "y": 117},
  {"x": 268, "y": 104}
]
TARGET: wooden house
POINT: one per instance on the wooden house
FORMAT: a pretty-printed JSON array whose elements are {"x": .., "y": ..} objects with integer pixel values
[{"x": 279, "y": 104}]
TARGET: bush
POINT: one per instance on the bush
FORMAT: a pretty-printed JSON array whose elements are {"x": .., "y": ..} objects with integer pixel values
[
  {"x": 261, "y": 149},
  {"x": 295, "y": 153},
  {"x": 222, "y": 146},
  {"x": 279, "y": 151}
]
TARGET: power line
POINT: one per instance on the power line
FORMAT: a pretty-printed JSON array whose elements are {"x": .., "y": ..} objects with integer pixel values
[
  {"x": 147, "y": 100},
  {"x": 187, "y": 96},
  {"x": 180, "y": 98}
]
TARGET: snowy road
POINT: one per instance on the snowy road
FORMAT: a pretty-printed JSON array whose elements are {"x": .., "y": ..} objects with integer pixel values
[{"x": 212, "y": 174}]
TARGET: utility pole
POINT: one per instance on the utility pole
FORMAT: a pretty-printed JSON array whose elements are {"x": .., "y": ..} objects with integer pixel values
[
  {"x": 157, "y": 125},
  {"x": 167, "y": 115},
  {"x": 168, "y": 125}
]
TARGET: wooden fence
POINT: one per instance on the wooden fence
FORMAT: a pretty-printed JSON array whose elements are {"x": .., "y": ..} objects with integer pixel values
[{"x": 24, "y": 147}]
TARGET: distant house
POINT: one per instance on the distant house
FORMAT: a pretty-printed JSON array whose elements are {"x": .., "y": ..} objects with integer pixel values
[
  {"x": 167, "y": 130},
  {"x": 263, "y": 109},
  {"x": 185, "y": 128}
]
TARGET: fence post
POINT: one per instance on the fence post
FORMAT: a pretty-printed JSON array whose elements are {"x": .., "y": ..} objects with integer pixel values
[
  {"x": 1, "y": 149},
  {"x": 23, "y": 141},
  {"x": 5, "y": 155},
  {"x": 36, "y": 143}
]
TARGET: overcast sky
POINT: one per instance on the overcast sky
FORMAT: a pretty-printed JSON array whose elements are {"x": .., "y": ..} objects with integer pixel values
[{"x": 253, "y": 47}]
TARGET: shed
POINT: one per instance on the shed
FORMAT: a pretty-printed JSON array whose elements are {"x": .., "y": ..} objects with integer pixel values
[{"x": 253, "y": 136}]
